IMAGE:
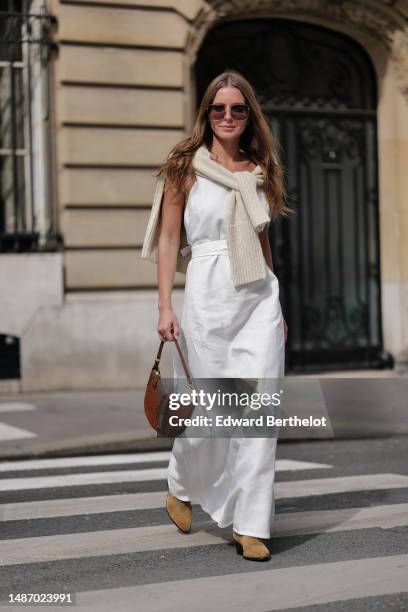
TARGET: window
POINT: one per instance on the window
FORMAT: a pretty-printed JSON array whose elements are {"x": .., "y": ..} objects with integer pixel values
[{"x": 26, "y": 202}]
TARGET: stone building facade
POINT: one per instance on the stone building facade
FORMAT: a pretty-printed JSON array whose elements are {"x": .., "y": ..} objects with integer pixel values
[{"x": 123, "y": 90}]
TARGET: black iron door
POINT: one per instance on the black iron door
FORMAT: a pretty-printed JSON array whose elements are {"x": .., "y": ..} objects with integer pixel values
[{"x": 317, "y": 88}]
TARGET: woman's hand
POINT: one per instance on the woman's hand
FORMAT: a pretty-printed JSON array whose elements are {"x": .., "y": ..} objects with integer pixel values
[
  {"x": 286, "y": 329},
  {"x": 168, "y": 324}
]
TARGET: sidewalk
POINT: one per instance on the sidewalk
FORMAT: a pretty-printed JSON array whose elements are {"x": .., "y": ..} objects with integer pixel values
[
  {"x": 72, "y": 423},
  {"x": 97, "y": 422}
]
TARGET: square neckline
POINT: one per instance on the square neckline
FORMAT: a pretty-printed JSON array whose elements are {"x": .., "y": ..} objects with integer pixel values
[{"x": 233, "y": 171}]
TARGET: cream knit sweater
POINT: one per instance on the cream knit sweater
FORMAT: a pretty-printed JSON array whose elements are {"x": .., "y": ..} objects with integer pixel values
[{"x": 246, "y": 217}]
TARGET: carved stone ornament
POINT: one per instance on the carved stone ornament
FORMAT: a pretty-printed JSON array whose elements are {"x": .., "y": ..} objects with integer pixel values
[{"x": 378, "y": 18}]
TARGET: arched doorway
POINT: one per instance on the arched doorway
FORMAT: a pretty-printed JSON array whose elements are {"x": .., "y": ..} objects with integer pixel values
[{"x": 317, "y": 88}]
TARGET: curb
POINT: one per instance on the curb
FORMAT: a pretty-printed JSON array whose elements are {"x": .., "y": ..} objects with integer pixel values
[
  {"x": 96, "y": 445},
  {"x": 112, "y": 444}
]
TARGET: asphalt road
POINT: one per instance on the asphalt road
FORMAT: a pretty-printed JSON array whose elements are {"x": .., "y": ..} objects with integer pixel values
[
  {"x": 84, "y": 422},
  {"x": 96, "y": 527}
]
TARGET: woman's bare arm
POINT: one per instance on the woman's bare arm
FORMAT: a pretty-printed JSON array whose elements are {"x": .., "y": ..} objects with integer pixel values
[{"x": 168, "y": 248}]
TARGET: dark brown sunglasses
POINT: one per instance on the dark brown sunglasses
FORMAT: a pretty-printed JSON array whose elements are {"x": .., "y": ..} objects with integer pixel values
[{"x": 238, "y": 111}]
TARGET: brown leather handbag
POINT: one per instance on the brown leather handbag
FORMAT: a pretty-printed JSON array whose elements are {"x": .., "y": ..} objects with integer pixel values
[{"x": 156, "y": 400}]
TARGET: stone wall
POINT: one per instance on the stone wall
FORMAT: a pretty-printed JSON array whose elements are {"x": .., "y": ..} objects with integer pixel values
[{"x": 123, "y": 91}]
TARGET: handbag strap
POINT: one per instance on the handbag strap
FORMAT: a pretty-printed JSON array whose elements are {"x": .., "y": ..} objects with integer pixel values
[{"x": 183, "y": 362}]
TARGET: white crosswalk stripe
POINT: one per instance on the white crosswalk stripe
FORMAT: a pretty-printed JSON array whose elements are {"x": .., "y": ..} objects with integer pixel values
[
  {"x": 276, "y": 589},
  {"x": 143, "y": 501},
  {"x": 134, "y": 458},
  {"x": 31, "y": 498},
  {"x": 72, "y": 480},
  {"x": 9, "y": 432},
  {"x": 94, "y": 478},
  {"x": 67, "y": 462},
  {"x": 11, "y": 407},
  {"x": 142, "y": 539}
]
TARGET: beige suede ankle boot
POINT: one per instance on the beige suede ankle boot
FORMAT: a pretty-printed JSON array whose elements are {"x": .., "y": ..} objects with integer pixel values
[
  {"x": 251, "y": 548},
  {"x": 179, "y": 511}
]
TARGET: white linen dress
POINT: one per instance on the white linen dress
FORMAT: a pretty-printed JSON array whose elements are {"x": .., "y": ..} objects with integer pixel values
[{"x": 226, "y": 332}]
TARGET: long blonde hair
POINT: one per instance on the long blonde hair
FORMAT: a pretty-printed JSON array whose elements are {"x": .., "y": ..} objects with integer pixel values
[{"x": 256, "y": 142}]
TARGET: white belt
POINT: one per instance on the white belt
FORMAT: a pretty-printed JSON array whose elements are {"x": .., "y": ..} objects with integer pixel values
[{"x": 211, "y": 247}]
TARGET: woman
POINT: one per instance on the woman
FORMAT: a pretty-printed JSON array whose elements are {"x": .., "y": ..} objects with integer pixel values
[{"x": 216, "y": 195}]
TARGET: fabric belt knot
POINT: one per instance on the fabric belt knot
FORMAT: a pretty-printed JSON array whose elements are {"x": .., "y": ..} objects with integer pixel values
[{"x": 210, "y": 247}]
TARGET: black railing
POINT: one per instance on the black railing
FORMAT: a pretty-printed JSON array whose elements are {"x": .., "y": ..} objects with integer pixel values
[{"x": 27, "y": 218}]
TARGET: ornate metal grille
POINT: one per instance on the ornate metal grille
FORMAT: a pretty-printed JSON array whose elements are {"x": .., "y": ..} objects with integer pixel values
[{"x": 317, "y": 88}]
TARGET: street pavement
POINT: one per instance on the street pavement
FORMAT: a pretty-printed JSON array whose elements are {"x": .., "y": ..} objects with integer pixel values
[
  {"x": 72, "y": 422},
  {"x": 96, "y": 527},
  {"x": 357, "y": 404}
]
